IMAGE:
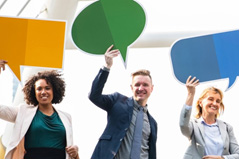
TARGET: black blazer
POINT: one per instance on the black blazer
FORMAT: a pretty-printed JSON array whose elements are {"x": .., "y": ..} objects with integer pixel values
[{"x": 119, "y": 110}]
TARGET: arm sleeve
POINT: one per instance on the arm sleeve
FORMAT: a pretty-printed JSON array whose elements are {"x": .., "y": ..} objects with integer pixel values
[
  {"x": 103, "y": 101},
  {"x": 8, "y": 113},
  {"x": 233, "y": 145},
  {"x": 186, "y": 125}
]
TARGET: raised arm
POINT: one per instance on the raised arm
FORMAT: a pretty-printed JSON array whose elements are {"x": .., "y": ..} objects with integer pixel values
[
  {"x": 7, "y": 113},
  {"x": 2, "y": 65},
  {"x": 191, "y": 84},
  {"x": 109, "y": 55},
  {"x": 95, "y": 95},
  {"x": 185, "y": 124}
]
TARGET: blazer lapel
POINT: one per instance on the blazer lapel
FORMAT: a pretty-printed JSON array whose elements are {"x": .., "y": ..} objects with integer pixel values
[
  {"x": 23, "y": 121},
  {"x": 67, "y": 124},
  {"x": 201, "y": 129},
  {"x": 223, "y": 130},
  {"x": 130, "y": 103},
  {"x": 222, "y": 127},
  {"x": 28, "y": 117}
]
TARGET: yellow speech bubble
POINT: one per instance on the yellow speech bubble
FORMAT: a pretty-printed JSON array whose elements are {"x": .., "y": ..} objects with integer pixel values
[{"x": 31, "y": 42}]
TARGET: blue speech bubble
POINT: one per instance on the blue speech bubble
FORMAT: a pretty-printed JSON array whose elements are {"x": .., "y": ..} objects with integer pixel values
[{"x": 208, "y": 57}]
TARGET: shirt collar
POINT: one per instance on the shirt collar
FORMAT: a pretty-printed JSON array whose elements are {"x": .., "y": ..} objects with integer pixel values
[
  {"x": 138, "y": 106},
  {"x": 204, "y": 123}
]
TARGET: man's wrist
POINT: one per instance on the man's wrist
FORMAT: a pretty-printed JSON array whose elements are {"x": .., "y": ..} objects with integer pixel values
[{"x": 106, "y": 68}]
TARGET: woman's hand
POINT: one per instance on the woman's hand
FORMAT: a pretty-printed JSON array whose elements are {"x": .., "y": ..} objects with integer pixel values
[
  {"x": 191, "y": 84},
  {"x": 2, "y": 65},
  {"x": 212, "y": 157},
  {"x": 73, "y": 151}
]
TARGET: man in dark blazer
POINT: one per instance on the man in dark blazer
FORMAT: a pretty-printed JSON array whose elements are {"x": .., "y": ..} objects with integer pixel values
[{"x": 116, "y": 140}]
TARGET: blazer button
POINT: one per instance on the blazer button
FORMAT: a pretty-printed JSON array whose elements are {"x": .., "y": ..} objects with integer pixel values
[{"x": 121, "y": 139}]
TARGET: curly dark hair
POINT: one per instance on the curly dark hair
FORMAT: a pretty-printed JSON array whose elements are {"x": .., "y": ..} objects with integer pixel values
[{"x": 54, "y": 78}]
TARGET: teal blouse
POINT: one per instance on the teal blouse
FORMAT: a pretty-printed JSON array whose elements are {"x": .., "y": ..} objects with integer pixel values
[{"x": 46, "y": 132}]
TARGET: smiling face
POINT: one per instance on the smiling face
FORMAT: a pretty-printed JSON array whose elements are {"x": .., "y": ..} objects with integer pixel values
[
  {"x": 141, "y": 87},
  {"x": 211, "y": 103},
  {"x": 44, "y": 92}
]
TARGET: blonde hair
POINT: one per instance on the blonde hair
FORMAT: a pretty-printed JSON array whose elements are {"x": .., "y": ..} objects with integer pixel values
[{"x": 204, "y": 95}]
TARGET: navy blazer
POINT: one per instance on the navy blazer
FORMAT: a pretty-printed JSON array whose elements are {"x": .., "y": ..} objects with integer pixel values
[{"x": 119, "y": 110}]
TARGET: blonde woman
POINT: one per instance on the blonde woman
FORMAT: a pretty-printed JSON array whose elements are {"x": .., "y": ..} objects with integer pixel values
[{"x": 210, "y": 138}]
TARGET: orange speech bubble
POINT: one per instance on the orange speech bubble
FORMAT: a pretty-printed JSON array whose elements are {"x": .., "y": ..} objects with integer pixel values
[{"x": 31, "y": 42}]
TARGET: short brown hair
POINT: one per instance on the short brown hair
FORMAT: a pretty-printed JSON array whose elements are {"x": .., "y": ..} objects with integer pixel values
[
  {"x": 141, "y": 72},
  {"x": 203, "y": 95},
  {"x": 54, "y": 78}
]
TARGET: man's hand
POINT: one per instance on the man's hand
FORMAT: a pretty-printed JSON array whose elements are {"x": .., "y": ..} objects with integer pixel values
[{"x": 109, "y": 55}]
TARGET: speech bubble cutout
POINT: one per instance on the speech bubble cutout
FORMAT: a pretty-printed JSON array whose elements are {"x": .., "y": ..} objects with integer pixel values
[
  {"x": 208, "y": 57},
  {"x": 106, "y": 22},
  {"x": 30, "y": 42}
]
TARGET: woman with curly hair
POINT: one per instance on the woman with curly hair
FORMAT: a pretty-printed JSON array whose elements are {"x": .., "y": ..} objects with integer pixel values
[
  {"x": 210, "y": 138},
  {"x": 40, "y": 131}
]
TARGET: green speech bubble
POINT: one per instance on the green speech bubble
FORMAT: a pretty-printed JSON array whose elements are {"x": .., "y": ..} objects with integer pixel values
[{"x": 106, "y": 22}]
